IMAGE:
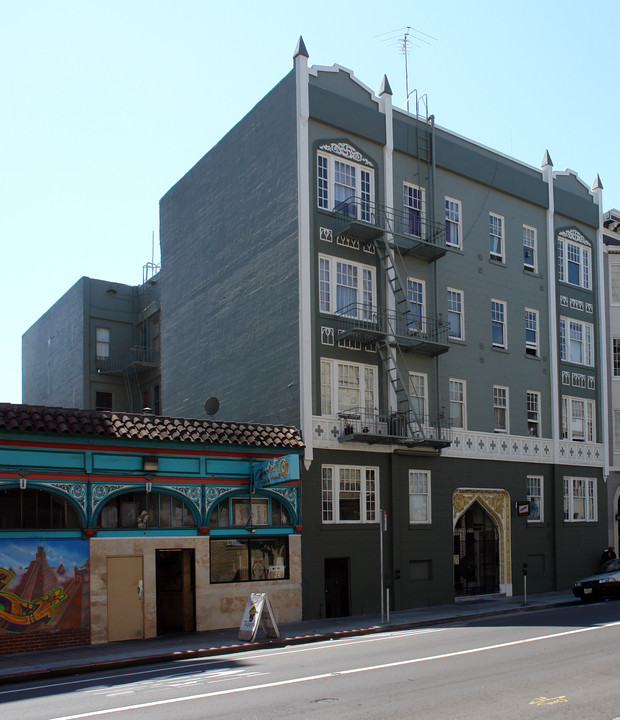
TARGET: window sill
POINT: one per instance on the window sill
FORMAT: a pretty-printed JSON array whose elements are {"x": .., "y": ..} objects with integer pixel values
[{"x": 498, "y": 263}]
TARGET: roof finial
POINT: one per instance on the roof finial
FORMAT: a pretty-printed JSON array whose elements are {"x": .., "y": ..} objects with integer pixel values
[
  {"x": 385, "y": 87},
  {"x": 547, "y": 160},
  {"x": 301, "y": 48},
  {"x": 598, "y": 185}
]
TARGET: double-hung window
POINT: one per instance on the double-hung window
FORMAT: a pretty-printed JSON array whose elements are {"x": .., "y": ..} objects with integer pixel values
[
  {"x": 102, "y": 350},
  {"x": 529, "y": 249},
  {"x": 580, "y": 499},
  {"x": 417, "y": 392},
  {"x": 533, "y": 413},
  {"x": 453, "y": 223},
  {"x": 415, "y": 296},
  {"x": 498, "y": 323},
  {"x": 345, "y": 187},
  {"x": 577, "y": 419},
  {"x": 576, "y": 341},
  {"x": 413, "y": 201},
  {"x": 534, "y": 490},
  {"x": 346, "y": 288},
  {"x": 349, "y": 494},
  {"x": 347, "y": 386},
  {"x": 574, "y": 263},
  {"x": 496, "y": 237},
  {"x": 500, "y": 409},
  {"x": 616, "y": 357},
  {"x": 457, "y": 403},
  {"x": 456, "y": 329},
  {"x": 531, "y": 332},
  {"x": 419, "y": 496}
]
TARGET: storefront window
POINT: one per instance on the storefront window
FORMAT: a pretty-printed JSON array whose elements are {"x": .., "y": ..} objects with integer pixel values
[
  {"x": 241, "y": 512},
  {"x": 246, "y": 560},
  {"x": 35, "y": 510},
  {"x": 142, "y": 510}
]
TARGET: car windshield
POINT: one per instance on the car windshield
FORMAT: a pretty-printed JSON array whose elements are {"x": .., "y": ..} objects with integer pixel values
[{"x": 612, "y": 565}]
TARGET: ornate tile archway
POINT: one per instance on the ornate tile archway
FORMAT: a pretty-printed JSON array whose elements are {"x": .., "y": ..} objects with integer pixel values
[{"x": 497, "y": 504}]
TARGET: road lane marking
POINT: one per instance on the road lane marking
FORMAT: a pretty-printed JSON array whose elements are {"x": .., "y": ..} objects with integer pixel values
[
  {"x": 324, "y": 676},
  {"x": 184, "y": 664}
]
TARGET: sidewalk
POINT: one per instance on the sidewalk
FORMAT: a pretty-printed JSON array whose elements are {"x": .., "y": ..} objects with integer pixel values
[{"x": 87, "y": 658}]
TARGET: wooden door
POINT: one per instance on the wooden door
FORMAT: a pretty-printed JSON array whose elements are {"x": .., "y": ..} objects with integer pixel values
[{"x": 125, "y": 598}]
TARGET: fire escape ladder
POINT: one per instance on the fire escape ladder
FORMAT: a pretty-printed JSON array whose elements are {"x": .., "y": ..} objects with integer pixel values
[{"x": 132, "y": 385}]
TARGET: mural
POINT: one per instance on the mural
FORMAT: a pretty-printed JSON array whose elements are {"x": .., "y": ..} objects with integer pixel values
[{"x": 43, "y": 584}]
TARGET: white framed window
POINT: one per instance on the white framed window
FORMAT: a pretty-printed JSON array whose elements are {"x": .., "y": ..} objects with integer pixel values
[
  {"x": 496, "y": 237},
  {"x": 454, "y": 230},
  {"x": 532, "y": 401},
  {"x": 616, "y": 430},
  {"x": 576, "y": 342},
  {"x": 500, "y": 409},
  {"x": 616, "y": 357},
  {"x": 345, "y": 187},
  {"x": 580, "y": 504},
  {"x": 498, "y": 323},
  {"x": 614, "y": 282},
  {"x": 457, "y": 403},
  {"x": 415, "y": 296},
  {"x": 456, "y": 322},
  {"x": 530, "y": 254},
  {"x": 350, "y": 493},
  {"x": 418, "y": 386},
  {"x": 535, "y": 497},
  {"x": 347, "y": 386},
  {"x": 419, "y": 497},
  {"x": 531, "y": 332},
  {"x": 574, "y": 263},
  {"x": 102, "y": 350},
  {"x": 413, "y": 203},
  {"x": 577, "y": 419},
  {"x": 346, "y": 287}
]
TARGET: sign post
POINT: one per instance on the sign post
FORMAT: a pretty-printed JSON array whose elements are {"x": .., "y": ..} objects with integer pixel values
[{"x": 382, "y": 528}]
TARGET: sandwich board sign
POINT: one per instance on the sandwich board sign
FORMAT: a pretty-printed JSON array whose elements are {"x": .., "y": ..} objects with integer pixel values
[{"x": 258, "y": 613}]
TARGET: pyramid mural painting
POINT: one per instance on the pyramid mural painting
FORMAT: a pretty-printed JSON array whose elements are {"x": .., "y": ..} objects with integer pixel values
[{"x": 44, "y": 584}]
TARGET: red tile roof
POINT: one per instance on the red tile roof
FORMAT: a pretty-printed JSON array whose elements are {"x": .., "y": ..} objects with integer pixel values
[{"x": 57, "y": 421}]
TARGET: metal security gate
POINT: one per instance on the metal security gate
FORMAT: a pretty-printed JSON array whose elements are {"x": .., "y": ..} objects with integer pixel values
[{"x": 476, "y": 553}]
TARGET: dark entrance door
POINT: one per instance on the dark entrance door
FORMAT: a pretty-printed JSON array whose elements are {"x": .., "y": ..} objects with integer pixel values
[
  {"x": 176, "y": 597},
  {"x": 337, "y": 587},
  {"x": 476, "y": 553}
]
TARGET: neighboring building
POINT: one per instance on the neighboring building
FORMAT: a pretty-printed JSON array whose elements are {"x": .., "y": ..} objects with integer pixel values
[
  {"x": 340, "y": 264},
  {"x": 98, "y": 347},
  {"x": 427, "y": 310},
  {"x": 611, "y": 239},
  {"x": 118, "y": 526}
]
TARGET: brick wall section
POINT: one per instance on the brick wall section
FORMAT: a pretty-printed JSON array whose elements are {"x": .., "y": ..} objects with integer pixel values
[
  {"x": 32, "y": 642},
  {"x": 229, "y": 276}
]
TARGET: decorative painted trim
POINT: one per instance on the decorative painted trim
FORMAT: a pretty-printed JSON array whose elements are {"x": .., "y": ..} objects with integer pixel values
[
  {"x": 476, "y": 445},
  {"x": 589, "y": 308},
  {"x": 565, "y": 377},
  {"x": 99, "y": 493},
  {"x": 577, "y": 304},
  {"x": 327, "y": 335},
  {"x": 191, "y": 493},
  {"x": 591, "y": 382},
  {"x": 578, "y": 380},
  {"x": 349, "y": 344},
  {"x": 497, "y": 504},
  {"x": 212, "y": 495},
  {"x": 76, "y": 491},
  {"x": 326, "y": 234},
  {"x": 291, "y": 496},
  {"x": 369, "y": 248},
  {"x": 347, "y": 151},
  {"x": 574, "y": 235},
  {"x": 349, "y": 242},
  {"x": 564, "y": 300}
]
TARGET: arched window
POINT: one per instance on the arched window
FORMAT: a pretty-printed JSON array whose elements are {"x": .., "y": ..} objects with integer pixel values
[
  {"x": 142, "y": 510},
  {"x": 240, "y": 512},
  {"x": 32, "y": 509}
]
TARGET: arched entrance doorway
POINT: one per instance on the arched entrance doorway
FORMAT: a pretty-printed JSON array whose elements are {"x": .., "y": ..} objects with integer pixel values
[
  {"x": 481, "y": 523},
  {"x": 476, "y": 543}
]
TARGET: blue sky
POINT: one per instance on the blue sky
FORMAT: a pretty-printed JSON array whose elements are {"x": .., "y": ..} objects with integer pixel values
[{"x": 107, "y": 104}]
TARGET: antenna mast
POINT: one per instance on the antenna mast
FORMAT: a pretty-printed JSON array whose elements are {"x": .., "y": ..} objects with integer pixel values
[{"x": 405, "y": 53}]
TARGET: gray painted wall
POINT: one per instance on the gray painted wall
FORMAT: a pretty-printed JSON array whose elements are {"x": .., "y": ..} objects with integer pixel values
[{"x": 230, "y": 273}]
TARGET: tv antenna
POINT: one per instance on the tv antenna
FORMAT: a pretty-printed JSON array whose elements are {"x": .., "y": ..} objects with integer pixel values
[{"x": 404, "y": 38}]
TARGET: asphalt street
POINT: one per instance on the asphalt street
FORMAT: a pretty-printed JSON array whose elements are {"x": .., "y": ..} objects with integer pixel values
[{"x": 560, "y": 663}]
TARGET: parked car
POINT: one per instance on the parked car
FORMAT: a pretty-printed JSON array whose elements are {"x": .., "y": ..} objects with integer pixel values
[{"x": 605, "y": 584}]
